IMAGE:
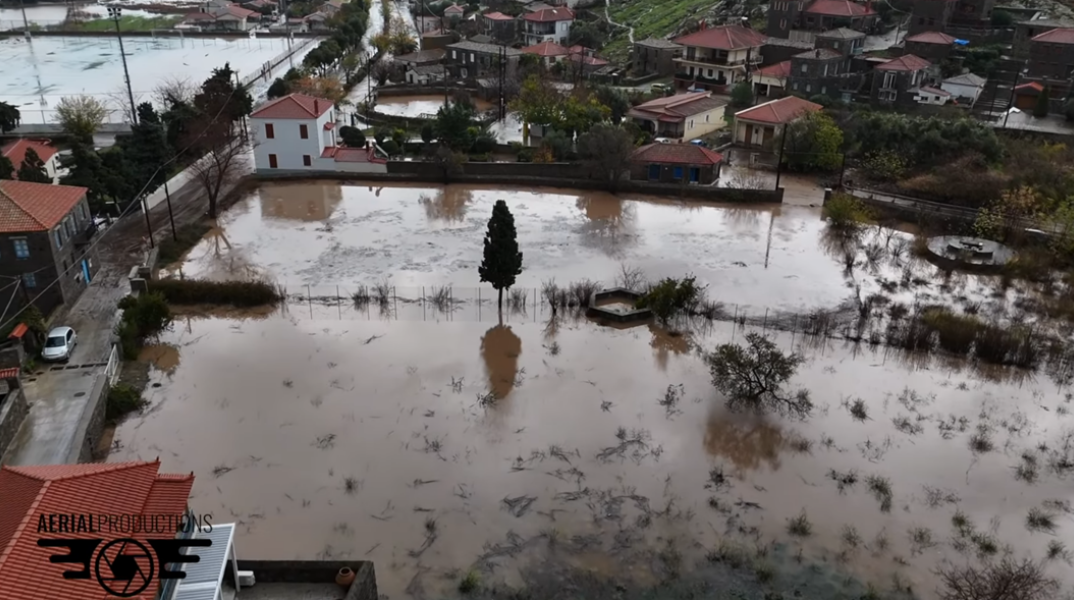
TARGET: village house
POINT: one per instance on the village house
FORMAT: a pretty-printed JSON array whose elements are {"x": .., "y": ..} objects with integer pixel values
[
  {"x": 500, "y": 27},
  {"x": 1051, "y": 55},
  {"x": 950, "y": 16},
  {"x": 759, "y": 126},
  {"x": 15, "y": 151},
  {"x": 682, "y": 117},
  {"x": 425, "y": 74},
  {"x": 331, "y": 8},
  {"x": 455, "y": 11},
  {"x": 896, "y": 81},
  {"x": 717, "y": 58},
  {"x": 819, "y": 71},
  {"x": 799, "y": 20},
  {"x": 934, "y": 46},
  {"x": 468, "y": 59},
  {"x": 676, "y": 163},
  {"x": 45, "y": 235},
  {"x": 1027, "y": 30},
  {"x": 653, "y": 56},
  {"x": 771, "y": 81},
  {"x": 584, "y": 60},
  {"x": 547, "y": 25},
  {"x": 847, "y": 42},
  {"x": 421, "y": 58},
  {"x": 223, "y": 16},
  {"x": 549, "y": 53},
  {"x": 931, "y": 96},
  {"x": 1026, "y": 95},
  {"x": 964, "y": 88},
  {"x": 298, "y": 133}
]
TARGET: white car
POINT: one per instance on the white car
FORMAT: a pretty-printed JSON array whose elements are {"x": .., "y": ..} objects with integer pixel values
[{"x": 60, "y": 344}]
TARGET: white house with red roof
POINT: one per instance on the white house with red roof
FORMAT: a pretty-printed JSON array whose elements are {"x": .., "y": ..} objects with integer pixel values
[
  {"x": 15, "y": 151},
  {"x": 223, "y": 16},
  {"x": 771, "y": 80},
  {"x": 549, "y": 52},
  {"x": 300, "y": 133},
  {"x": 896, "y": 81},
  {"x": 757, "y": 127},
  {"x": 716, "y": 58},
  {"x": 551, "y": 24},
  {"x": 683, "y": 117}
]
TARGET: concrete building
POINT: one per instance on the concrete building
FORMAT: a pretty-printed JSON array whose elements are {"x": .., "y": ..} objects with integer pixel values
[
  {"x": 15, "y": 151},
  {"x": 771, "y": 81},
  {"x": 683, "y": 117},
  {"x": 298, "y": 133},
  {"x": 500, "y": 27},
  {"x": 759, "y": 126},
  {"x": 717, "y": 58},
  {"x": 895, "y": 82},
  {"x": 45, "y": 235},
  {"x": 426, "y": 74},
  {"x": 934, "y": 46},
  {"x": 676, "y": 163},
  {"x": 455, "y": 11},
  {"x": 800, "y": 20},
  {"x": 547, "y": 25},
  {"x": 1051, "y": 55},
  {"x": 468, "y": 59},
  {"x": 847, "y": 42},
  {"x": 654, "y": 56},
  {"x": 964, "y": 88}
]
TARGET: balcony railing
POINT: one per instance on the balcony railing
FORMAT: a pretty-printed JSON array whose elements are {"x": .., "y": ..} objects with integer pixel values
[
  {"x": 86, "y": 235},
  {"x": 701, "y": 78},
  {"x": 754, "y": 59}
]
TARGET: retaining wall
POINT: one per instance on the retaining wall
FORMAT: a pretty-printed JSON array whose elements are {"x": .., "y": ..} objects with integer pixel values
[
  {"x": 313, "y": 571},
  {"x": 91, "y": 426},
  {"x": 13, "y": 411}
]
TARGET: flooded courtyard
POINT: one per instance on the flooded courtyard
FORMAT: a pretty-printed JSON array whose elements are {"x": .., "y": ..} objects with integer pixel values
[
  {"x": 439, "y": 439},
  {"x": 419, "y": 106}
]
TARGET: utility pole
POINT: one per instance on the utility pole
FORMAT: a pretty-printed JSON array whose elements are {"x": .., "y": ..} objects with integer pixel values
[
  {"x": 114, "y": 12},
  {"x": 25, "y": 21},
  {"x": 148, "y": 224},
  {"x": 1010, "y": 101},
  {"x": 171, "y": 217},
  {"x": 779, "y": 163}
]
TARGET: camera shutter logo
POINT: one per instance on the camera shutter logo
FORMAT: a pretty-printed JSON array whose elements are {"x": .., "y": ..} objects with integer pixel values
[{"x": 125, "y": 567}]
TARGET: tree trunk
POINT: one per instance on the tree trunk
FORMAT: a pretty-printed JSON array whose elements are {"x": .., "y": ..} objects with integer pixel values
[{"x": 499, "y": 302}]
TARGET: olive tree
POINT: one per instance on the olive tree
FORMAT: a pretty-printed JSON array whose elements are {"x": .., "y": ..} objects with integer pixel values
[{"x": 753, "y": 376}]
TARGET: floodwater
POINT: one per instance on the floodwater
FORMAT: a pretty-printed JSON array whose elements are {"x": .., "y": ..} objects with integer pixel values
[
  {"x": 416, "y": 106},
  {"x": 54, "y": 14},
  {"x": 330, "y": 433},
  {"x": 37, "y": 74}
]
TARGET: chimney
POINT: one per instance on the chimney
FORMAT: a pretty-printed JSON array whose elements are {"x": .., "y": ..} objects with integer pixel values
[{"x": 316, "y": 105}]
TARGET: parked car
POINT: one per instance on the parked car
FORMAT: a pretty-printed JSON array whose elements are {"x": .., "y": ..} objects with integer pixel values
[
  {"x": 660, "y": 88},
  {"x": 60, "y": 344}
]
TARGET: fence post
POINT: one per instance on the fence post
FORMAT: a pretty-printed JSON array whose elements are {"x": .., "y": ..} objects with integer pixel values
[{"x": 339, "y": 304}]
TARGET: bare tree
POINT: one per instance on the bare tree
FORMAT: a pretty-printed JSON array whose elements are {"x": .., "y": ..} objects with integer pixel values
[
  {"x": 753, "y": 377},
  {"x": 119, "y": 97},
  {"x": 1007, "y": 579},
  {"x": 224, "y": 160},
  {"x": 173, "y": 90}
]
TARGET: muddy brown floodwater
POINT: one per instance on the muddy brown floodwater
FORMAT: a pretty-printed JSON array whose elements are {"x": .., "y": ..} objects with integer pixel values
[{"x": 437, "y": 440}]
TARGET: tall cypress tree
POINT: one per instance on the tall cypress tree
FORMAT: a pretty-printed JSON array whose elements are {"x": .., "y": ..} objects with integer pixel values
[{"x": 502, "y": 261}]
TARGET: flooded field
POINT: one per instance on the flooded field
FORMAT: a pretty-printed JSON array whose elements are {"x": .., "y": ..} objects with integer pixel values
[
  {"x": 416, "y": 106},
  {"x": 424, "y": 433}
]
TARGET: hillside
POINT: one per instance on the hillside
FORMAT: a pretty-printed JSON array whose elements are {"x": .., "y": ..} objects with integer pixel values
[{"x": 660, "y": 19}]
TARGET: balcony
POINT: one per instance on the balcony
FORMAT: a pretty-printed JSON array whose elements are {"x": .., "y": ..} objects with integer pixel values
[
  {"x": 85, "y": 236},
  {"x": 755, "y": 59},
  {"x": 684, "y": 76}
]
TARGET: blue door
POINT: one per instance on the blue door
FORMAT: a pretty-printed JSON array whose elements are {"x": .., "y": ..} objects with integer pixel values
[
  {"x": 677, "y": 173},
  {"x": 695, "y": 174},
  {"x": 85, "y": 270},
  {"x": 654, "y": 171}
]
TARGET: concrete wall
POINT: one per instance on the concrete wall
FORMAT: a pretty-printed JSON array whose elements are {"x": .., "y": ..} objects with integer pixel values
[
  {"x": 91, "y": 426},
  {"x": 313, "y": 571},
  {"x": 13, "y": 411}
]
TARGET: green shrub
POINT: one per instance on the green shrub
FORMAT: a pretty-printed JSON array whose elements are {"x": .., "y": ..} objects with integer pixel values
[
  {"x": 671, "y": 296},
  {"x": 234, "y": 293},
  {"x": 845, "y": 212},
  {"x": 122, "y": 400},
  {"x": 391, "y": 147}
]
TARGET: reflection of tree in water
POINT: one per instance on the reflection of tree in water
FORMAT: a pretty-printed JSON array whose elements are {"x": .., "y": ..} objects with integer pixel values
[
  {"x": 745, "y": 440},
  {"x": 449, "y": 204},
  {"x": 500, "y": 349},
  {"x": 608, "y": 224},
  {"x": 665, "y": 343}
]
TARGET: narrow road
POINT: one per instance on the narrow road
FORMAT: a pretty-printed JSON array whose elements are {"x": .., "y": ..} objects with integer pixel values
[
  {"x": 630, "y": 30},
  {"x": 364, "y": 88}
]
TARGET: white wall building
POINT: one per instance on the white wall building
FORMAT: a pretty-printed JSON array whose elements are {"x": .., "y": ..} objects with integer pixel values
[
  {"x": 547, "y": 25},
  {"x": 15, "y": 151},
  {"x": 964, "y": 87},
  {"x": 299, "y": 133},
  {"x": 931, "y": 95}
]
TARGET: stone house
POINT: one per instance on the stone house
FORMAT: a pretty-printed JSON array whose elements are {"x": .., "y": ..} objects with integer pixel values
[
  {"x": 469, "y": 60},
  {"x": 653, "y": 56},
  {"x": 797, "y": 19},
  {"x": 1051, "y": 55},
  {"x": 676, "y": 163},
  {"x": 500, "y": 27},
  {"x": 1027, "y": 30},
  {"x": 895, "y": 82},
  {"x": 847, "y": 42},
  {"x": 818, "y": 71},
  {"x": 934, "y": 46},
  {"x": 759, "y": 126},
  {"x": 950, "y": 15},
  {"x": 682, "y": 117},
  {"x": 717, "y": 58},
  {"x": 45, "y": 235}
]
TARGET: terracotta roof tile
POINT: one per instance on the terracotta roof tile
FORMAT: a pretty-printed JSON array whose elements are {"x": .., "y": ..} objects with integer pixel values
[
  {"x": 11, "y": 372},
  {"x": 546, "y": 49},
  {"x": 906, "y": 62},
  {"x": 27, "y": 493},
  {"x": 683, "y": 154},
  {"x": 818, "y": 54},
  {"x": 932, "y": 37},
  {"x": 550, "y": 15},
  {"x": 498, "y": 16},
  {"x": 676, "y": 108},
  {"x": 1033, "y": 87},
  {"x": 26, "y": 206},
  {"x": 16, "y": 150},
  {"x": 780, "y": 70},
  {"x": 778, "y": 112},
  {"x": 293, "y": 106},
  {"x": 839, "y": 8},
  {"x": 1062, "y": 35},
  {"x": 724, "y": 37}
]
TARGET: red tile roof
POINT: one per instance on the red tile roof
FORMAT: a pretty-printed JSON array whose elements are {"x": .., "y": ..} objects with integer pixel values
[
  {"x": 724, "y": 37},
  {"x": 778, "y": 112},
  {"x": 19, "y": 331},
  {"x": 683, "y": 154},
  {"x": 1063, "y": 35},
  {"x": 329, "y": 126},
  {"x": 592, "y": 61},
  {"x": 546, "y": 49},
  {"x": 931, "y": 90},
  {"x": 1033, "y": 87},
  {"x": 28, "y": 493},
  {"x": 906, "y": 62},
  {"x": 932, "y": 37},
  {"x": 498, "y": 16},
  {"x": 550, "y": 15},
  {"x": 294, "y": 106},
  {"x": 11, "y": 372},
  {"x": 26, "y": 206},
  {"x": 676, "y": 108},
  {"x": 781, "y": 70},
  {"x": 455, "y": 8},
  {"x": 839, "y": 8},
  {"x": 16, "y": 150}
]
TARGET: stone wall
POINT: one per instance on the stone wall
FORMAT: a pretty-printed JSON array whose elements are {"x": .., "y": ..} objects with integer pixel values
[
  {"x": 13, "y": 411},
  {"x": 91, "y": 426},
  {"x": 313, "y": 571}
]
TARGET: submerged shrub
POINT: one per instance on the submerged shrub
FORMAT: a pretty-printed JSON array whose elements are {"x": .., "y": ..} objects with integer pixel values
[
  {"x": 122, "y": 400},
  {"x": 671, "y": 297},
  {"x": 200, "y": 291},
  {"x": 956, "y": 333},
  {"x": 753, "y": 377},
  {"x": 845, "y": 212}
]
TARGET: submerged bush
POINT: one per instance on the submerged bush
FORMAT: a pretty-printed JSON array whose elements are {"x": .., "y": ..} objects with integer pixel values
[
  {"x": 846, "y": 213},
  {"x": 199, "y": 291},
  {"x": 671, "y": 297},
  {"x": 122, "y": 400},
  {"x": 956, "y": 333},
  {"x": 144, "y": 316},
  {"x": 753, "y": 377}
]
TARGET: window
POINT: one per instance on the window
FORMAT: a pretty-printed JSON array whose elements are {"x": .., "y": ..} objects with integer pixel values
[
  {"x": 306, "y": 161},
  {"x": 269, "y": 131},
  {"x": 59, "y": 237},
  {"x": 304, "y": 132},
  {"x": 68, "y": 227},
  {"x": 824, "y": 89},
  {"x": 805, "y": 68},
  {"x": 471, "y": 58},
  {"x": 677, "y": 173},
  {"x": 29, "y": 280},
  {"x": 835, "y": 45},
  {"x": 706, "y": 118},
  {"x": 82, "y": 210},
  {"x": 22, "y": 249},
  {"x": 272, "y": 161},
  {"x": 808, "y": 87},
  {"x": 691, "y": 123},
  {"x": 454, "y": 56},
  {"x": 783, "y": 23}
]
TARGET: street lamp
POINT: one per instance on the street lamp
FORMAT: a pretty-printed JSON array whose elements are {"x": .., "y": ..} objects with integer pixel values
[{"x": 114, "y": 12}]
